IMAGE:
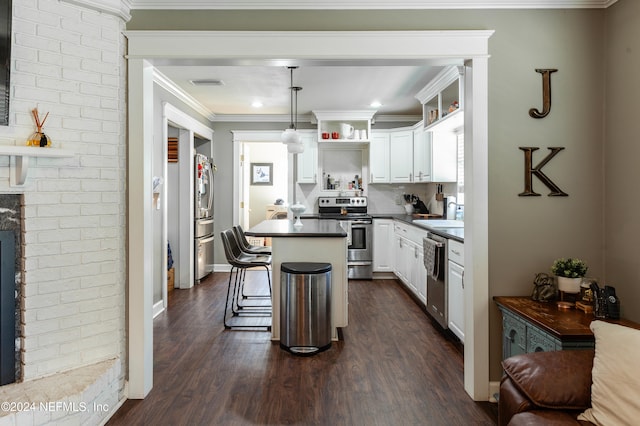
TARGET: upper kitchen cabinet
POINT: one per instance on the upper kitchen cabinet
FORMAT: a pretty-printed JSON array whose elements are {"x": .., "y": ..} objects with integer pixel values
[
  {"x": 308, "y": 159},
  {"x": 442, "y": 101},
  {"x": 379, "y": 157},
  {"x": 401, "y": 156},
  {"x": 344, "y": 126},
  {"x": 421, "y": 155},
  {"x": 444, "y": 154}
]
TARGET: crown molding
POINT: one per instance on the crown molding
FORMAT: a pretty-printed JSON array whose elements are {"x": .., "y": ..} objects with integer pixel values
[
  {"x": 306, "y": 118},
  {"x": 167, "y": 84},
  {"x": 369, "y": 4},
  {"x": 119, "y": 8}
]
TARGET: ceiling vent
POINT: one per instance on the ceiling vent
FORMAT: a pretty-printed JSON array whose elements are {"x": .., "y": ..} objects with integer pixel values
[{"x": 207, "y": 82}]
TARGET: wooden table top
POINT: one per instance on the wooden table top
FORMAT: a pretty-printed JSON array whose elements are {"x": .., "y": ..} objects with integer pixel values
[{"x": 564, "y": 324}]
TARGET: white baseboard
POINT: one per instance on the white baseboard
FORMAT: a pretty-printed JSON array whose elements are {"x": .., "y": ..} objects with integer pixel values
[
  {"x": 158, "y": 308},
  {"x": 494, "y": 391},
  {"x": 221, "y": 267}
]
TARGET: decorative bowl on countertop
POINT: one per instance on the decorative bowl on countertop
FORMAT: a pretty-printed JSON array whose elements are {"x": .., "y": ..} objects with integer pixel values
[{"x": 297, "y": 209}]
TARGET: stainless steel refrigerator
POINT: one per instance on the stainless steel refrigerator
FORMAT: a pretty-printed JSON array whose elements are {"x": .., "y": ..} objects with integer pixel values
[{"x": 203, "y": 221}]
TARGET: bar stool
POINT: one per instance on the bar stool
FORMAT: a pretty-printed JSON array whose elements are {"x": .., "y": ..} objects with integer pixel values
[
  {"x": 240, "y": 262},
  {"x": 246, "y": 246}
]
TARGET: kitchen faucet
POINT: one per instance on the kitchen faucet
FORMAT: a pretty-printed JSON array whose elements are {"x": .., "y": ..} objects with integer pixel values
[{"x": 448, "y": 211}]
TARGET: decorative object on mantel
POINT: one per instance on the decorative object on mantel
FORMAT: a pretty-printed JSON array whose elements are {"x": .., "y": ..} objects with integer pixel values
[
  {"x": 544, "y": 289},
  {"x": 546, "y": 94},
  {"x": 39, "y": 138},
  {"x": 569, "y": 273}
]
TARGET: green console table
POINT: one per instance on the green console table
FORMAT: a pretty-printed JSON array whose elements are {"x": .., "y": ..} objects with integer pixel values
[{"x": 530, "y": 326}]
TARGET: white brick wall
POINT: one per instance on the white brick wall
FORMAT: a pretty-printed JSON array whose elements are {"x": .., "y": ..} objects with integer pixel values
[{"x": 69, "y": 61}]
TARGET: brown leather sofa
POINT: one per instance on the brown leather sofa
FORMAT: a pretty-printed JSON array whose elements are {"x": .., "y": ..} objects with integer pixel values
[{"x": 545, "y": 388}]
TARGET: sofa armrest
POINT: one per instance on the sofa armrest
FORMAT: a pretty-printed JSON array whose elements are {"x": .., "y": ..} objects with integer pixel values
[
  {"x": 511, "y": 401},
  {"x": 558, "y": 380}
]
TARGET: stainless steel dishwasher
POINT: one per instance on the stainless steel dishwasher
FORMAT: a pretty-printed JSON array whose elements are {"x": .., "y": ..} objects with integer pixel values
[{"x": 435, "y": 261}]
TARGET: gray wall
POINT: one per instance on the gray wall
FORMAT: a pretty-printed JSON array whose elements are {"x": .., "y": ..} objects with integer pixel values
[
  {"x": 621, "y": 153},
  {"x": 525, "y": 233},
  {"x": 161, "y": 96}
]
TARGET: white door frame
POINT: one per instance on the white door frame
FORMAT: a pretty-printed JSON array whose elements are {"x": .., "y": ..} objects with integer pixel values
[
  {"x": 248, "y": 136},
  {"x": 298, "y": 47}
]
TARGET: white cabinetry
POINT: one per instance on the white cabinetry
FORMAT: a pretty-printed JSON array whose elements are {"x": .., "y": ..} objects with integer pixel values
[
  {"x": 308, "y": 159},
  {"x": 421, "y": 155},
  {"x": 444, "y": 151},
  {"x": 401, "y": 264},
  {"x": 409, "y": 258},
  {"x": 383, "y": 255},
  {"x": 401, "y": 156},
  {"x": 455, "y": 273},
  {"x": 379, "y": 157},
  {"x": 411, "y": 155}
]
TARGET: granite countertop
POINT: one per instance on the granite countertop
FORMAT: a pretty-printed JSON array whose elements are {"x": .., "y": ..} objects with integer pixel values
[
  {"x": 451, "y": 233},
  {"x": 311, "y": 228}
]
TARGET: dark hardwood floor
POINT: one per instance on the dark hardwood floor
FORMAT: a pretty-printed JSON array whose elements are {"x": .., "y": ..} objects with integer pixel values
[{"x": 393, "y": 367}]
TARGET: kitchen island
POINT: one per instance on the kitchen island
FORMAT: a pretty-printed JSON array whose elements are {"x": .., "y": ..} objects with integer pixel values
[{"x": 315, "y": 241}]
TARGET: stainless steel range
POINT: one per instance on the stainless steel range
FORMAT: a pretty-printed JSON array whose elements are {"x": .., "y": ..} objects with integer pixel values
[{"x": 352, "y": 214}]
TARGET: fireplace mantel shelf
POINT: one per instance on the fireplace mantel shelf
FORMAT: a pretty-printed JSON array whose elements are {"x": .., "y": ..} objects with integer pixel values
[{"x": 22, "y": 155}]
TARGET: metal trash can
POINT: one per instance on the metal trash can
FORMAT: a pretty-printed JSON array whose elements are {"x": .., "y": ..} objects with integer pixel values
[{"x": 305, "y": 307}]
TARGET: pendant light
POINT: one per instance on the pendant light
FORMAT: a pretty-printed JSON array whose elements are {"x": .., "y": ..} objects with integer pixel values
[
  {"x": 290, "y": 136},
  {"x": 292, "y": 139}
]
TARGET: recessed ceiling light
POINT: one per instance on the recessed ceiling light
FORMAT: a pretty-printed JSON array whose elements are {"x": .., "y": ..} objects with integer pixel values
[
  {"x": 207, "y": 82},
  {"x": 256, "y": 104},
  {"x": 376, "y": 104}
]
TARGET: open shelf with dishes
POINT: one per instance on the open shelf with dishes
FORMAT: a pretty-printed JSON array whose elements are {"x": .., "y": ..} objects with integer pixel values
[{"x": 344, "y": 126}]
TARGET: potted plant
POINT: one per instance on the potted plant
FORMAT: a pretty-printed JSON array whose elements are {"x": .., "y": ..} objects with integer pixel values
[{"x": 569, "y": 273}]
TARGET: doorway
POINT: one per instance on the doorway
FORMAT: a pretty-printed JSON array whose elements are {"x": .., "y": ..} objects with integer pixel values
[
  {"x": 268, "y": 47},
  {"x": 264, "y": 170}
]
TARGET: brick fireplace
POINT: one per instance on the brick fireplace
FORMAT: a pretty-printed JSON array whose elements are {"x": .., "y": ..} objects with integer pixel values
[
  {"x": 67, "y": 59},
  {"x": 10, "y": 287}
]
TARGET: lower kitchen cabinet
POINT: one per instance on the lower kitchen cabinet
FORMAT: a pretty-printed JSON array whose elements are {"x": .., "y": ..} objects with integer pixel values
[
  {"x": 420, "y": 274},
  {"x": 409, "y": 259},
  {"x": 400, "y": 264},
  {"x": 383, "y": 255},
  {"x": 456, "y": 299},
  {"x": 455, "y": 288}
]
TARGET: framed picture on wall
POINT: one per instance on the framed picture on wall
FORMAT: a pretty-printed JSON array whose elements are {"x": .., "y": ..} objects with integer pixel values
[{"x": 261, "y": 173}]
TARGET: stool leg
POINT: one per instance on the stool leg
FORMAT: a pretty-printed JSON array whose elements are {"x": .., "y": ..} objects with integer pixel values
[
  {"x": 258, "y": 296},
  {"x": 237, "y": 283},
  {"x": 224, "y": 319},
  {"x": 268, "y": 279}
]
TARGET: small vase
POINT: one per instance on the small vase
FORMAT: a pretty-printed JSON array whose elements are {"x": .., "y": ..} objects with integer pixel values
[
  {"x": 297, "y": 210},
  {"x": 39, "y": 139},
  {"x": 569, "y": 285}
]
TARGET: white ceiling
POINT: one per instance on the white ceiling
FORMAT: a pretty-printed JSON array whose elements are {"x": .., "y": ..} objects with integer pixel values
[{"x": 324, "y": 87}]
